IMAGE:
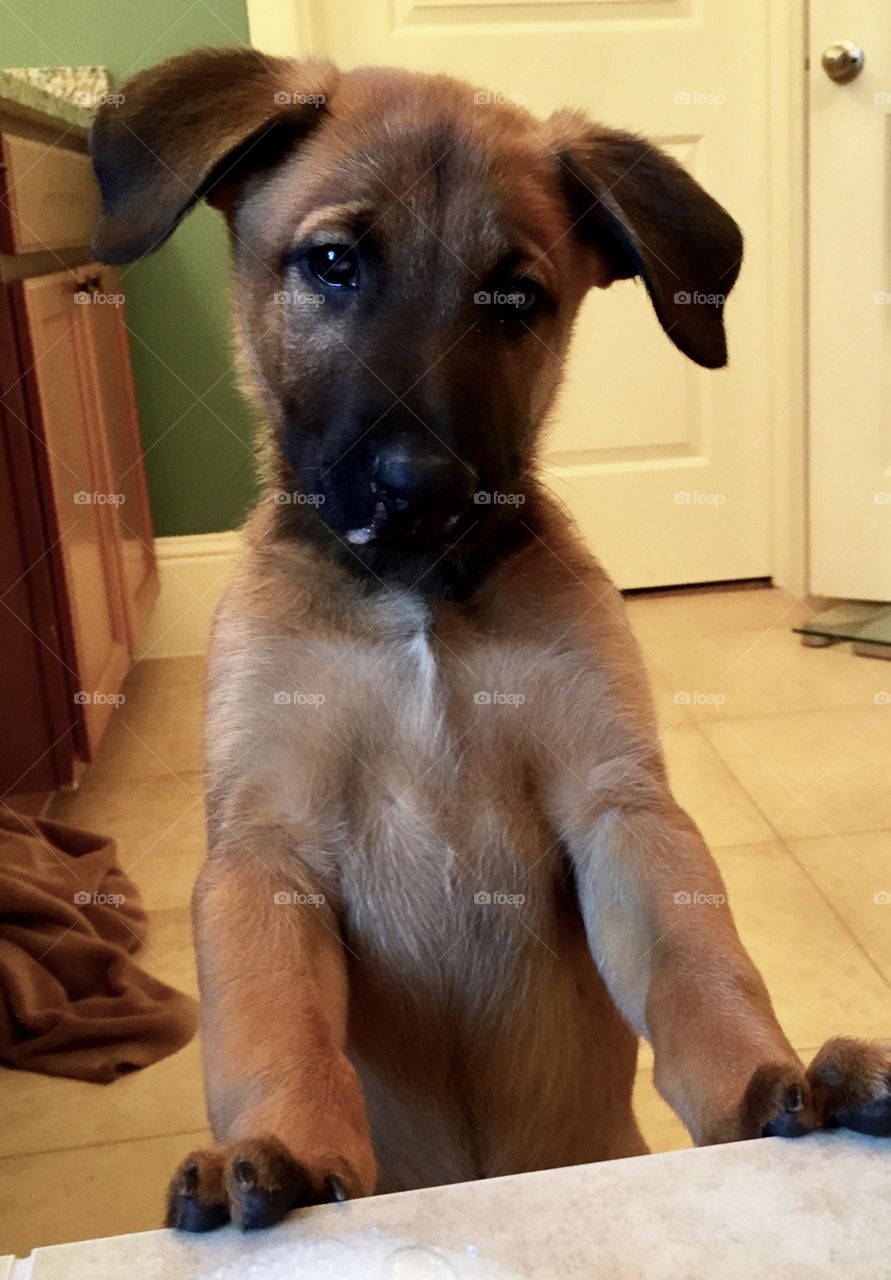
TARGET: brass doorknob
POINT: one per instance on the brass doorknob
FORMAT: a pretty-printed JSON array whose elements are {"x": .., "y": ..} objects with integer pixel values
[{"x": 843, "y": 61}]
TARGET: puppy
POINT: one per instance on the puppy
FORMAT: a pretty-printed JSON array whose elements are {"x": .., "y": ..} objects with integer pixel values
[{"x": 440, "y": 902}]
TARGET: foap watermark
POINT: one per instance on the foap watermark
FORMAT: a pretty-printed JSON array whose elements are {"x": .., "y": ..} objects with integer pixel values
[
  {"x": 882, "y": 698},
  {"x": 294, "y": 898},
  {"x": 882, "y": 498},
  {"x": 882, "y": 898},
  {"x": 497, "y": 899},
  {"x": 90, "y": 98},
  {"x": 882, "y": 298},
  {"x": 495, "y": 698},
  {"x": 96, "y": 899},
  {"x": 298, "y": 298},
  {"x": 95, "y": 298},
  {"x": 516, "y": 298},
  {"x": 882, "y": 98},
  {"x": 297, "y": 698},
  {"x": 296, "y": 498},
  {"x": 494, "y": 498},
  {"x": 284, "y": 99},
  {"x": 96, "y": 698},
  {"x": 698, "y": 98},
  {"x": 697, "y": 698},
  {"x": 698, "y": 498},
  {"x": 83, "y": 498},
  {"x": 684, "y": 298},
  {"x": 482, "y": 98},
  {"x": 696, "y": 898}
]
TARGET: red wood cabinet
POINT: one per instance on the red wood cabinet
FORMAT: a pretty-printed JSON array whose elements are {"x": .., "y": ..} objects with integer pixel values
[{"x": 78, "y": 576}]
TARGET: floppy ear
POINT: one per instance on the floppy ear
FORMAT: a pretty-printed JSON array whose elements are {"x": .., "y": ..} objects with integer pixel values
[
  {"x": 186, "y": 126},
  {"x": 649, "y": 218}
]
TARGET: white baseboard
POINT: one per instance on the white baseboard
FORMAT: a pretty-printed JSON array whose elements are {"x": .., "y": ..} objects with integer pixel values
[{"x": 193, "y": 570}]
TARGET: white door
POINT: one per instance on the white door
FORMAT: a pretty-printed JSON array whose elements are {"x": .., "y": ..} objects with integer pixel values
[
  {"x": 850, "y": 305},
  {"x": 664, "y": 465}
]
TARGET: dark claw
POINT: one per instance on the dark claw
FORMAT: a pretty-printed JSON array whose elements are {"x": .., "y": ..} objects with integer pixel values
[
  {"x": 335, "y": 1190},
  {"x": 787, "y": 1124},
  {"x": 245, "y": 1173},
  {"x": 261, "y": 1209},
  {"x": 188, "y": 1214},
  {"x": 794, "y": 1100}
]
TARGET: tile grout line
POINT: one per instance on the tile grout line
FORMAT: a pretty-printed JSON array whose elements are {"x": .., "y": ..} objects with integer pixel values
[{"x": 856, "y": 944}]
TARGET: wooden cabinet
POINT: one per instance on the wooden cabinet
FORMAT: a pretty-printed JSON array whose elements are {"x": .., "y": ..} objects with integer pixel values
[{"x": 78, "y": 563}]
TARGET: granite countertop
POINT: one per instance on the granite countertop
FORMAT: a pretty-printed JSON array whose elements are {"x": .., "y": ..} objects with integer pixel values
[
  {"x": 810, "y": 1209},
  {"x": 30, "y": 98}
]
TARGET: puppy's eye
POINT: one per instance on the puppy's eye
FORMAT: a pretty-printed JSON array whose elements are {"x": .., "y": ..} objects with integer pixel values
[
  {"x": 525, "y": 293},
  {"x": 517, "y": 298},
  {"x": 336, "y": 265}
]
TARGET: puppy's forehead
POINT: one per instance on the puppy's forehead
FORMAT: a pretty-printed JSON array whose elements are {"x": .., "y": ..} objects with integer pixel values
[{"x": 421, "y": 157}]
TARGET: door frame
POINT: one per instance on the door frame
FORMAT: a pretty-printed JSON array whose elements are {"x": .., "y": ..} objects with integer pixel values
[{"x": 275, "y": 31}]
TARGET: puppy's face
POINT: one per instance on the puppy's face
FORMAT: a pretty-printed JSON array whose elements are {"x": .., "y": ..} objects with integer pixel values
[
  {"x": 406, "y": 286},
  {"x": 408, "y": 264}
]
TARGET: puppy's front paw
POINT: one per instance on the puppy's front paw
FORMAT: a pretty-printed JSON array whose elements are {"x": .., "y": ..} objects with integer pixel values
[
  {"x": 253, "y": 1183},
  {"x": 851, "y": 1083}
]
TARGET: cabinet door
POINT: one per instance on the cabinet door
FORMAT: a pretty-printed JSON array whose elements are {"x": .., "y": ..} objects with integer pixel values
[
  {"x": 109, "y": 356},
  {"x": 38, "y": 745},
  {"x": 65, "y": 412}
]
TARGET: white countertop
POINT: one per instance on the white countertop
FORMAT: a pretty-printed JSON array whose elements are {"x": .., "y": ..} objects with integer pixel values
[{"x": 818, "y": 1207}]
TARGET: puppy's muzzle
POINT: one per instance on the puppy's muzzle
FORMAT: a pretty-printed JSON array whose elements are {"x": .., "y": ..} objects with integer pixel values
[{"x": 420, "y": 491}]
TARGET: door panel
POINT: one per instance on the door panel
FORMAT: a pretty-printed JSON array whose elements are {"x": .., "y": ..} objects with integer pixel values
[
  {"x": 65, "y": 410},
  {"x": 118, "y": 429},
  {"x": 665, "y": 466},
  {"x": 850, "y": 306}
]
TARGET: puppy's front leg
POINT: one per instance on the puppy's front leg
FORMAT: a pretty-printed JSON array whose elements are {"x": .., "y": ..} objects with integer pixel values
[
  {"x": 285, "y": 1105},
  {"x": 662, "y": 933}
]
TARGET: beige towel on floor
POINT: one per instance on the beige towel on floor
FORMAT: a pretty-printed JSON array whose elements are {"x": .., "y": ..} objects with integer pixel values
[{"x": 72, "y": 1001}]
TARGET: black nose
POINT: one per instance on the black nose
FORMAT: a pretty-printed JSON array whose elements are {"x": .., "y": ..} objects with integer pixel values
[{"x": 415, "y": 480}]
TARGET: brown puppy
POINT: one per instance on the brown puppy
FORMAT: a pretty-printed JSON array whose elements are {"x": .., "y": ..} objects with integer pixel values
[{"x": 448, "y": 887}]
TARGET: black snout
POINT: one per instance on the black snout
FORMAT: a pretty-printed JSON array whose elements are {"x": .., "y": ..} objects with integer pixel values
[{"x": 420, "y": 482}]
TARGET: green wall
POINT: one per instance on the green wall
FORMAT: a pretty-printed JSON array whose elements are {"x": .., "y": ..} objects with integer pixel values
[{"x": 195, "y": 425}]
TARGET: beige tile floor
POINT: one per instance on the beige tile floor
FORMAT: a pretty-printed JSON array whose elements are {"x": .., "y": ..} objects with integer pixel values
[{"x": 782, "y": 754}]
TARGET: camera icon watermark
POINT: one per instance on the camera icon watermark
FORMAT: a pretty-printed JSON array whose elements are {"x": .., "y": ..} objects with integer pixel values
[
  {"x": 97, "y": 899},
  {"x": 284, "y": 99},
  {"x": 882, "y": 898},
  {"x": 297, "y": 698},
  {"x": 684, "y": 298},
  {"x": 698, "y": 98},
  {"x": 298, "y": 298},
  {"x": 482, "y": 98},
  {"x": 696, "y": 498},
  {"x": 85, "y": 697},
  {"x": 83, "y": 498},
  {"x": 696, "y": 898},
  {"x": 296, "y": 498},
  {"x": 95, "y": 298},
  {"x": 89, "y": 98},
  {"x": 495, "y": 698},
  {"x": 494, "y": 498},
  {"x": 696, "y": 698}
]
